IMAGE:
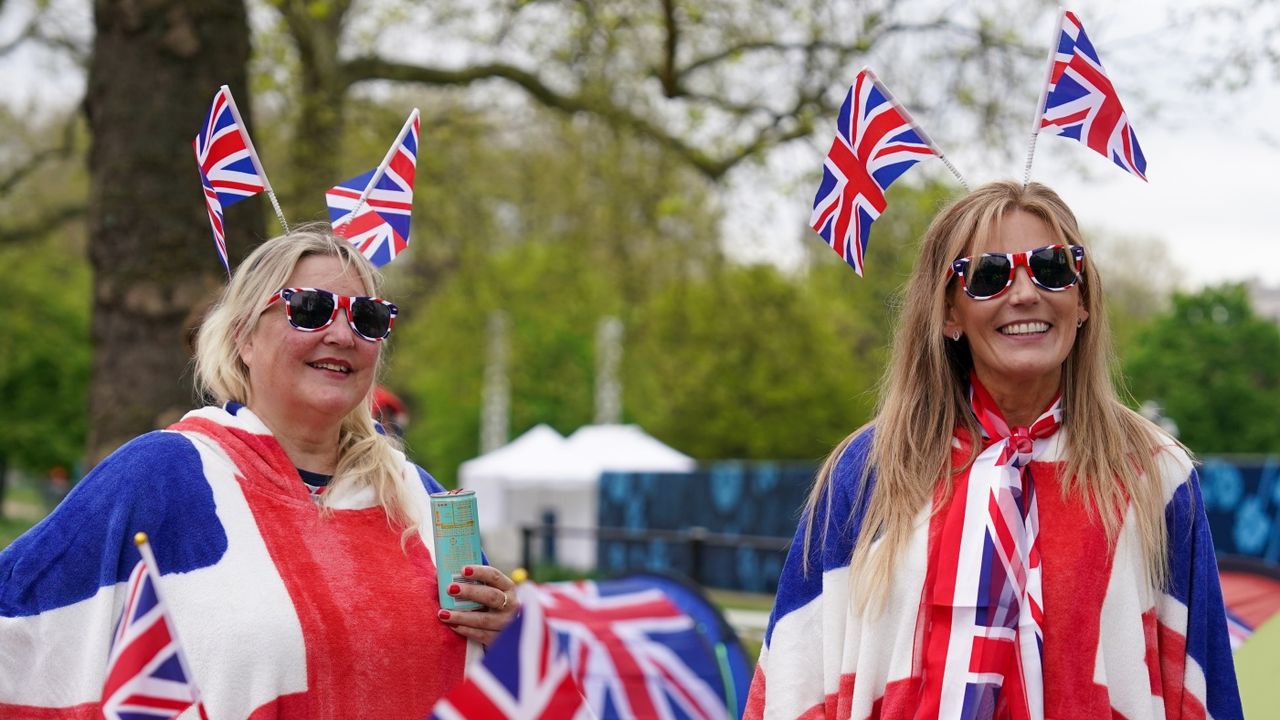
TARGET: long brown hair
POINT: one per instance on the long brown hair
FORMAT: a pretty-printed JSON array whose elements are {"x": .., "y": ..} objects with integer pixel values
[{"x": 1110, "y": 451}]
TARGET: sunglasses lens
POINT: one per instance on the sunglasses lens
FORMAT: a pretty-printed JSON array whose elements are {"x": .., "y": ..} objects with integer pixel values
[
  {"x": 988, "y": 275},
  {"x": 1053, "y": 267},
  {"x": 309, "y": 309},
  {"x": 372, "y": 319}
]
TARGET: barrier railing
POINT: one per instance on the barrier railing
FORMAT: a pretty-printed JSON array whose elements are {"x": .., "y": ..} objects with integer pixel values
[{"x": 695, "y": 539}]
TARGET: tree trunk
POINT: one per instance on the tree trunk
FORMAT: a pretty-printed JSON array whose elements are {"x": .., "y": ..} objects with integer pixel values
[
  {"x": 317, "y": 138},
  {"x": 155, "y": 68}
]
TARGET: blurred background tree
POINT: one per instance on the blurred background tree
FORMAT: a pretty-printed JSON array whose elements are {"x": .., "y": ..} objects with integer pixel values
[{"x": 1213, "y": 366}]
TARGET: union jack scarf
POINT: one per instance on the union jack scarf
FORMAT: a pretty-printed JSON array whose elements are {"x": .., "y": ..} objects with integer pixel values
[{"x": 994, "y": 650}]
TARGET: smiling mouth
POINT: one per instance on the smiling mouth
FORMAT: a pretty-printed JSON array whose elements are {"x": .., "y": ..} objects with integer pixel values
[
  {"x": 331, "y": 366},
  {"x": 1025, "y": 328}
]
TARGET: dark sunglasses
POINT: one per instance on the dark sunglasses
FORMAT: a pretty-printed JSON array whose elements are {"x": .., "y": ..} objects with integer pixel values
[
  {"x": 1053, "y": 267},
  {"x": 309, "y": 310}
]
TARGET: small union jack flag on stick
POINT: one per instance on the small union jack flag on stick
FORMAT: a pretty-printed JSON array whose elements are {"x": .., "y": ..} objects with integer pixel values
[
  {"x": 229, "y": 167},
  {"x": 1079, "y": 102},
  {"x": 876, "y": 142},
  {"x": 148, "y": 678},
  {"x": 373, "y": 209}
]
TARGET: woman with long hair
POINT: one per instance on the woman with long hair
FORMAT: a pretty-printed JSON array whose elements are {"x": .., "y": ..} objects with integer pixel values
[{"x": 1005, "y": 538}]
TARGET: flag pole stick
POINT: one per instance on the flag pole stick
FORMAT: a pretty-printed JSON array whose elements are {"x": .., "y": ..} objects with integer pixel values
[
  {"x": 341, "y": 226},
  {"x": 1044, "y": 94},
  {"x": 253, "y": 156},
  {"x": 893, "y": 100},
  {"x": 149, "y": 562}
]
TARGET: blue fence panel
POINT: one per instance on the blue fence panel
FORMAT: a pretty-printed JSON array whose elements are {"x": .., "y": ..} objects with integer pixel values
[
  {"x": 1242, "y": 500},
  {"x": 729, "y": 498},
  {"x": 1241, "y": 496}
]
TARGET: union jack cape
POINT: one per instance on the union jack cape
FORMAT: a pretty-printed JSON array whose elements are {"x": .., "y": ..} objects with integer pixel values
[
  {"x": 373, "y": 209},
  {"x": 1112, "y": 646},
  {"x": 1080, "y": 103},
  {"x": 283, "y": 611}
]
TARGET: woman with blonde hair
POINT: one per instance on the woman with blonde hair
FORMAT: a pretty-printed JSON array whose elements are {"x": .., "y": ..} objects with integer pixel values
[
  {"x": 1005, "y": 538},
  {"x": 293, "y": 534}
]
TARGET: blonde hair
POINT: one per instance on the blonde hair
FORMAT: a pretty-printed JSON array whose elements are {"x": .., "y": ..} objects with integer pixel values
[
  {"x": 1110, "y": 451},
  {"x": 365, "y": 457}
]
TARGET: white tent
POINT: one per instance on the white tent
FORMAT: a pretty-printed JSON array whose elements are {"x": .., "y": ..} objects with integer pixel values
[
  {"x": 541, "y": 476},
  {"x": 627, "y": 448}
]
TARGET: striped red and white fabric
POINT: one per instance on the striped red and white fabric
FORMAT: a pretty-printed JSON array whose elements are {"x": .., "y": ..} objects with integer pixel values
[{"x": 986, "y": 644}]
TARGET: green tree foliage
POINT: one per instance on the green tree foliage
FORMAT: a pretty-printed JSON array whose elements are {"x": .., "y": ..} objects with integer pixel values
[
  {"x": 1214, "y": 367},
  {"x": 720, "y": 360},
  {"x": 44, "y": 369},
  {"x": 557, "y": 232},
  {"x": 749, "y": 362}
]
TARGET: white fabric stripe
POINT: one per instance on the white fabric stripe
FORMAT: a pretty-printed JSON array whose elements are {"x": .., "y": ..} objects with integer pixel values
[
  {"x": 71, "y": 655},
  {"x": 242, "y": 595},
  {"x": 963, "y": 622}
]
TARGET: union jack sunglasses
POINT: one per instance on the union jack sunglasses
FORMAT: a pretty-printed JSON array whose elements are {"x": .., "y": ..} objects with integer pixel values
[
  {"x": 1053, "y": 267},
  {"x": 311, "y": 309}
]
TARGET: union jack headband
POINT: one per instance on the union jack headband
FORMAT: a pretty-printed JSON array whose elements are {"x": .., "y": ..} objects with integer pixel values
[{"x": 1079, "y": 102}]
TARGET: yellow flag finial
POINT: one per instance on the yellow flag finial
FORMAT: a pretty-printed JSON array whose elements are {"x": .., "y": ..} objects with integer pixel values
[
  {"x": 519, "y": 575},
  {"x": 139, "y": 538}
]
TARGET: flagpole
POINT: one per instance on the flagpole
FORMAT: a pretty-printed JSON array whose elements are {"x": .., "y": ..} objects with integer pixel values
[
  {"x": 377, "y": 175},
  {"x": 893, "y": 100},
  {"x": 253, "y": 155},
  {"x": 149, "y": 562},
  {"x": 1044, "y": 94}
]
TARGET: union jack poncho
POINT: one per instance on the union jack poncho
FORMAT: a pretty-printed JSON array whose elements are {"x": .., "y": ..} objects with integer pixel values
[
  {"x": 1112, "y": 647},
  {"x": 283, "y": 611}
]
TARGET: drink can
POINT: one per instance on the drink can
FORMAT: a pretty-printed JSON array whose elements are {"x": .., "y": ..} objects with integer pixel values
[{"x": 457, "y": 541}]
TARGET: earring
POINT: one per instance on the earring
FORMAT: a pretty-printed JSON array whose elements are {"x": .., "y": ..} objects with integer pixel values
[
  {"x": 1079, "y": 324},
  {"x": 956, "y": 336}
]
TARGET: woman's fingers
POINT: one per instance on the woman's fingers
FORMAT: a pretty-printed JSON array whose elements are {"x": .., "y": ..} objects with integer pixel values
[{"x": 494, "y": 591}]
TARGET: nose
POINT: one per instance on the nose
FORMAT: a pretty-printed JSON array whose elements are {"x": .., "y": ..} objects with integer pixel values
[
  {"x": 340, "y": 332},
  {"x": 1023, "y": 289}
]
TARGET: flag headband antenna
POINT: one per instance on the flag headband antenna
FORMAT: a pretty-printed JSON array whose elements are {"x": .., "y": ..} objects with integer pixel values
[
  {"x": 916, "y": 126},
  {"x": 149, "y": 564},
  {"x": 1044, "y": 95},
  {"x": 253, "y": 155},
  {"x": 341, "y": 225}
]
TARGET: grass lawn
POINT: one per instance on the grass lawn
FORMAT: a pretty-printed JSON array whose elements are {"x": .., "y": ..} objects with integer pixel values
[
  {"x": 11, "y": 528},
  {"x": 23, "y": 507}
]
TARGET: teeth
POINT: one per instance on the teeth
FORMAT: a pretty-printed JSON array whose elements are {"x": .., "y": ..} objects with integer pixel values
[
  {"x": 328, "y": 366},
  {"x": 1025, "y": 328}
]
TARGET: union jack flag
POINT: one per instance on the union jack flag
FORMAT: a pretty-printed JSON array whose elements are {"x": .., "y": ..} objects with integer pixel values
[
  {"x": 876, "y": 141},
  {"x": 147, "y": 676},
  {"x": 637, "y": 655},
  {"x": 1083, "y": 105},
  {"x": 382, "y": 200},
  {"x": 523, "y": 675},
  {"x": 229, "y": 168}
]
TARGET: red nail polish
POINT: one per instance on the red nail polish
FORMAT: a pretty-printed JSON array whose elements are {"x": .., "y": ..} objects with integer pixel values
[
  {"x": 454, "y": 589},
  {"x": 444, "y": 614},
  {"x": 468, "y": 571}
]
